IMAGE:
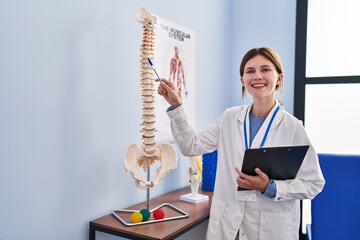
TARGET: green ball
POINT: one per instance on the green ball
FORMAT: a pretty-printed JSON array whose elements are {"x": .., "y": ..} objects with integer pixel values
[{"x": 145, "y": 213}]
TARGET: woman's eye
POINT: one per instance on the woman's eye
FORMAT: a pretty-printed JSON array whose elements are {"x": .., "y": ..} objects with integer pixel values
[
  {"x": 249, "y": 71},
  {"x": 266, "y": 69}
]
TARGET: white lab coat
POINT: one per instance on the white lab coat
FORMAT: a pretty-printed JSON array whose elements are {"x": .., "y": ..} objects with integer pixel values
[{"x": 250, "y": 212}]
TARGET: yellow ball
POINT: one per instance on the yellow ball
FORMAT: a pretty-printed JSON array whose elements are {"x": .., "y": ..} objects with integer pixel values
[{"x": 136, "y": 217}]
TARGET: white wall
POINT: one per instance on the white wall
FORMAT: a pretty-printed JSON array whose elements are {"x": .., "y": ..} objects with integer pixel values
[
  {"x": 70, "y": 106},
  {"x": 261, "y": 23},
  {"x": 70, "y": 102}
]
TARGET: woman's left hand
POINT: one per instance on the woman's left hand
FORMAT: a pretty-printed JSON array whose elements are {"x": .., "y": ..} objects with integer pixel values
[{"x": 258, "y": 182}]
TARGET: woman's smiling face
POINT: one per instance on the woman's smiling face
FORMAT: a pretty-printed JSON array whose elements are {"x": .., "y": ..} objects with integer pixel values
[{"x": 260, "y": 77}]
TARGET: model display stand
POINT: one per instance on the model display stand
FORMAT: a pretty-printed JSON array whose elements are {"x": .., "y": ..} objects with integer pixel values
[
  {"x": 149, "y": 152},
  {"x": 194, "y": 199},
  {"x": 171, "y": 212},
  {"x": 175, "y": 212}
]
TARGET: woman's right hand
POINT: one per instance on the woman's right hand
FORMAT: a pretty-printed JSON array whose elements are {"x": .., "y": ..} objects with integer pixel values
[{"x": 167, "y": 90}]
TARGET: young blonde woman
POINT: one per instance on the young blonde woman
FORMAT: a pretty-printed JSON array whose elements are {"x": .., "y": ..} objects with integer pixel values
[{"x": 270, "y": 208}]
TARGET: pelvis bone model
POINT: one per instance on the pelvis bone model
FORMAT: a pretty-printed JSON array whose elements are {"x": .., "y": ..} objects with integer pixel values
[{"x": 137, "y": 157}]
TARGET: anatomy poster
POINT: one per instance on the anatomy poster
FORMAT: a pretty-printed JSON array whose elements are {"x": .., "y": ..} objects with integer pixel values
[{"x": 174, "y": 59}]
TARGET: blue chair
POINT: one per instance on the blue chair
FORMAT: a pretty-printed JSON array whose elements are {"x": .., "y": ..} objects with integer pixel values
[
  {"x": 336, "y": 210},
  {"x": 209, "y": 170}
]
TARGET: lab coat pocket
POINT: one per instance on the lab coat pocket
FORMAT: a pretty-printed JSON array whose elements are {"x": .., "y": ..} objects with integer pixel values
[
  {"x": 247, "y": 195},
  {"x": 279, "y": 226},
  {"x": 216, "y": 212}
]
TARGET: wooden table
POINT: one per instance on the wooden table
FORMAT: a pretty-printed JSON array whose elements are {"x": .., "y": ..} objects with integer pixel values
[{"x": 171, "y": 229}]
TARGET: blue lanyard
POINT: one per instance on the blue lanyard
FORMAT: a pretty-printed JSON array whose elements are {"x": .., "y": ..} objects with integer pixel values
[{"x": 267, "y": 129}]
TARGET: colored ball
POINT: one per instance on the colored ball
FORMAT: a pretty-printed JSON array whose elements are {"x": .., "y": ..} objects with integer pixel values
[
  {"x": 145, "y": 213},
  {"x": 136, "y": 217},
  {"x": 158, "y": 214}
]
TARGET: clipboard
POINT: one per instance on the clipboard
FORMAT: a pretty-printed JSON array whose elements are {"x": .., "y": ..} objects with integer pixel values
[{"x": 279, "y": 163}]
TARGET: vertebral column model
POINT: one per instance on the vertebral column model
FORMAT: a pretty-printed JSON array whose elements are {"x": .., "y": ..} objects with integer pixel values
[{"x": 136, "y": 157}]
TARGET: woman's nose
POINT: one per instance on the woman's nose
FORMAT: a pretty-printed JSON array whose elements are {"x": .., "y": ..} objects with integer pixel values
[{"x": 257, "y": 75}]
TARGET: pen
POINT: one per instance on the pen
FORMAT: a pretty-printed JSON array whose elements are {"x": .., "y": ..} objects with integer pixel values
[{"x": 151, "y": 65}]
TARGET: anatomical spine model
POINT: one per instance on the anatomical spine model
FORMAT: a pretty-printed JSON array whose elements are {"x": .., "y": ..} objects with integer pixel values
[{"x": 149, "y": 152}]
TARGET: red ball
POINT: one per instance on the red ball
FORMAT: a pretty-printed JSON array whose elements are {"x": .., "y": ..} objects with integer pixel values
[{"x": 158, "y": 214}]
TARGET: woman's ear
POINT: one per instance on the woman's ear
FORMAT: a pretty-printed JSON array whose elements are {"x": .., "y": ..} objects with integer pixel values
[
  {"x": 280, "y": 80},
  {"x": 242, "y": 88}
]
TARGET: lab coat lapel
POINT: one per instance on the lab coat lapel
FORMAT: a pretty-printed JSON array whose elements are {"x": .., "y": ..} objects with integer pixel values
[{"x": 240, "y": 117}]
